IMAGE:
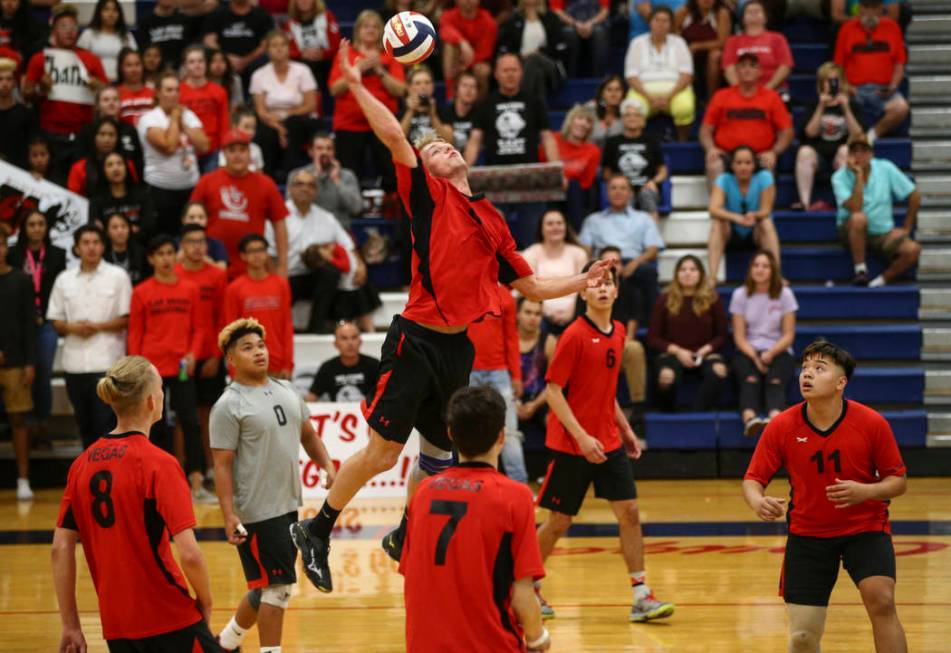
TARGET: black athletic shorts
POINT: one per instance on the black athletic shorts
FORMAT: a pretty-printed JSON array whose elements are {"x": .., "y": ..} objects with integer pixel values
[
  {"x": 192, "y": 639},
  {"x": 208, "y": 391},
  {"x": 419, "y": 370},
  {"x": 811, "y": 564},
  {"x": 569, "y": 476},
  {"x": 268, "y": 555}
]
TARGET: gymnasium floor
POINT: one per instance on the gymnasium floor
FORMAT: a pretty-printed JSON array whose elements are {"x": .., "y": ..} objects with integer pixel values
[{"x": 706, "y": 552}]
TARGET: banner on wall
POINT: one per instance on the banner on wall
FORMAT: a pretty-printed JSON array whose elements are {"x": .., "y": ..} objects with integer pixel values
[{"x": 344, "y": 432}]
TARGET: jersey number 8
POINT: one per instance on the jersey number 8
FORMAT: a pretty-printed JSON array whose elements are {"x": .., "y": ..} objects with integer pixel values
[{"x": 103, "y": 510}]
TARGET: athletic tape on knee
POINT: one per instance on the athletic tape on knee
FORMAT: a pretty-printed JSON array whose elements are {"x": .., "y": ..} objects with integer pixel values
[
  {"x": 277, "y": 595},
  {"x": 432, "y": 459},
  {"x": 254, "y": 598}
]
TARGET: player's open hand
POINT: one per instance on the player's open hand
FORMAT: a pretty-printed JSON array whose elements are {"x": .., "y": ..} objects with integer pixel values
[
  {"x": 596, "y": 273},
  {"x": 72, "y": 641},
  {"x": 592, "y": 449},
  {"x": 350, "y": 72},
  {"x": 770, "y": 508},
  {"x": 846, "y": 493}
]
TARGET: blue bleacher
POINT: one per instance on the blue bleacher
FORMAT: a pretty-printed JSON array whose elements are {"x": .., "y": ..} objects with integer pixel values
[
  {"x": 820, "y": 263},
  {"x": 849, "y": 303}
]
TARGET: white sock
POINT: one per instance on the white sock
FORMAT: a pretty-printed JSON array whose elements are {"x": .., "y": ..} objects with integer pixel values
[
  {"x": 870, "y": 136},
  {"x": 639, "y": 585},
  {"x": 860, "y": 268},
  {"x": 270, "y": 649},
  {"x": 231, "y": 636},
  {"x": 876, "y": 282},
  {"x": 23, "y": 482}
]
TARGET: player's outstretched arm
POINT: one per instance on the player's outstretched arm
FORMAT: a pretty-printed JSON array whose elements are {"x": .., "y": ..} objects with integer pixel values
[
  {"x": 766, "y": 508},
  {"x": 529, "y": 614},
  {"x": 384, "y": 124},
  {"x": 195, "y": 569},
  {"x": 539, "y": 289},
  {"x": 63, "y": 557}
]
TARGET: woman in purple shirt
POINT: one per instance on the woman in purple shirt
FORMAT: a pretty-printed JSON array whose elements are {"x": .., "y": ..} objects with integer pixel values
[{"x": 764, "y": 326}]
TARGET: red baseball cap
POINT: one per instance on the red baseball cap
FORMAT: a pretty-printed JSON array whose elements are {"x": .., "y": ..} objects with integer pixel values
[{"x": 234, "y": 137}]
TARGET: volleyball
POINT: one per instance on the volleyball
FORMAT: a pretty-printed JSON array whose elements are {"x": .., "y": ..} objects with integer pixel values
[{"x": 409, "y": 37}]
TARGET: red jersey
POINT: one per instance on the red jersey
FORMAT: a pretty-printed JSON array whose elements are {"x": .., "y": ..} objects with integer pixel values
[
  {"x": 268, "y": 300},
  {"x": 771, "y": 48},
  {"x": 495, "y": 339},
  {"x": 586, "y": 366},
  {"x": 164, "y": 324},
  {"x": 480, "y": 31},
  {"x": 70, "y": 69},
  {"x": 581, "y": 160},
  {"x": 470, "y": 535},
  {"x": 125, "y": 497},
  {"x": 78, "y": 177},
  {"x": 859, "y": 447},
  {"x": 212, "y": 282},
  {"x": 462, "y": 248},
  {"x": 132, "y": 104},
  {"x": 238, "y": 206},
  {"x": 210, "y": 104},
  {"x": 740, "y": 120},
  {"x": 870, "y": 58},
  {"x": 348, "y": 116}
]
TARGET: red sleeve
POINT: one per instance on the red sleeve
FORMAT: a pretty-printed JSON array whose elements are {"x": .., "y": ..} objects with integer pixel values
[
  {"x": 94, "y": 66},
  {"x": 511, "y": 264},
  {"x": 781, "y": 116},
  {"x": 841, "y": 46},
  {"x": 513, "y": 356},
  {"x": 526, "y": 552},
  {"x": 396, "y": 69},
  {"x": 485, "y": 47},
  {"x": 768, "y": 457},
  {"x": 34, "y": 69},
  {"x": 173, "y": 498},
  {"x": 899, "y": 52},
  {"x": 288, "y": 321},
  {"x": 340, "y": 259},
  {"x": 334, "y": 72},
  {"x": 714, "y": 109},
  {"x": 276, "y": 208},
  {"x": 198, "y": 329},
  {"x": 563, "y": 362},
  {"x": 556, "y": 5},
  {"x": 65, "y": 518},
  {"x": 225, "y": 116},
  {"x": 136, "y": 321},
  {"x": 198, "y": 193},
  {"x": 293, "y": 47},
  {"x": 449, "y": 32},
  {"x": 219, "y": 303},
  {"x": 888, "y": 460},
  {"x": 591, "y": 166},
  {"x": 781, "y": 48},
  {"x": 729, "y": 52},
  {"x": 76, "y": 181},
  {"x": 656, "y": 331},
  {"x": 333, "y": 34}
]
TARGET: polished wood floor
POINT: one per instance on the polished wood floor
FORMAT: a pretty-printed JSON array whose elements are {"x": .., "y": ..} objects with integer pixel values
[{"x": 724, "y": 585}]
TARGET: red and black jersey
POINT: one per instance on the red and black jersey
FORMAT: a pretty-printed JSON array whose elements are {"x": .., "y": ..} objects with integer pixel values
[
  {"x": 586, "y": 366},
  {"x": 212, "y": 282},
  {"x": 470, "y": 536},
  {"x": 462, "y": 248},
  {"x": 126, "y": 497},
  {"x": 859, "y": 447}
]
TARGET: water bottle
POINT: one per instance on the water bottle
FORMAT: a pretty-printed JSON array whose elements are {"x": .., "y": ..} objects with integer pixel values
[{"x": 182, "y": 370}]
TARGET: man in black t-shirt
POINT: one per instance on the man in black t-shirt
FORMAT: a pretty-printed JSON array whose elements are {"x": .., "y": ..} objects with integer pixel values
[
  {"x": 636, "y": 156},
  {"x": 349, "y": 376},
  {"x": 169, "y": 29},
  {"x": 18, "y": 121},
  {"x": 459, "y": 115},
  {"x": 238, "y": 29}
]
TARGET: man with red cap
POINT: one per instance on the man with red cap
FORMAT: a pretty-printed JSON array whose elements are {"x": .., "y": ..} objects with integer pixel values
[{"x": 239, "y": 202}]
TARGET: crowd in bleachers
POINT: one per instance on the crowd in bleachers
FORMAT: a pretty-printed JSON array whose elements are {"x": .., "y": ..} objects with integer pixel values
[{"x": 224, "y": 160}]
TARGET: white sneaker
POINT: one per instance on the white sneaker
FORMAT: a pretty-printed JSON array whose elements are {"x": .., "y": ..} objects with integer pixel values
[
  {"x": 201, "y": 495},
  {"x": 24, "y": 493}
]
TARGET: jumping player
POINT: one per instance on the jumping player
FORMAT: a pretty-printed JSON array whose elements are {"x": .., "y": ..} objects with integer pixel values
[
  {"x": 844, "y": 467},
  {"x": 462, "y": 249},
  {"x": 125, "y": 499},
  {"x": 584, "y": 425},
  {"x": 257, "y": 428},
  {"x": 471, "y": 553}
]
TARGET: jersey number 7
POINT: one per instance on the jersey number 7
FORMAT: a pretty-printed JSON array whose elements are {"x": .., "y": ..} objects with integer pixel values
[{"x": 456, "y": 511}]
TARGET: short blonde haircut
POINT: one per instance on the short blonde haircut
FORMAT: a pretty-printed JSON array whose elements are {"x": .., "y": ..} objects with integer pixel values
[
  {"x": 364, "y": 16},
  {"x": 428, "y": 138},
  {"x": 238, "y": 329},
  {"x": 578, "y": 111},
  {"x": 825, "y": 71},
  {"x": 126, "y": 383}
]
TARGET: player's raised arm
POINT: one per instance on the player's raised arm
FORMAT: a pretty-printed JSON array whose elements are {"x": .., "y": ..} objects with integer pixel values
[{"x": 384, "y": 124}]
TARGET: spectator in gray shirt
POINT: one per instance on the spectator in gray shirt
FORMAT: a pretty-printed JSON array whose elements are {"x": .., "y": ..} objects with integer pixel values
[{"x": 338, "y": 189}]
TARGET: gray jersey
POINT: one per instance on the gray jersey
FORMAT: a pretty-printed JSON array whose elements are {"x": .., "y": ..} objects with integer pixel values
[{"x": 262, "y": 425}]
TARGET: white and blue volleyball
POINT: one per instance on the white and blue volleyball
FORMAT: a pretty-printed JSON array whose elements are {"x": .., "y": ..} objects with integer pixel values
[{"x": 409, "y": 37}]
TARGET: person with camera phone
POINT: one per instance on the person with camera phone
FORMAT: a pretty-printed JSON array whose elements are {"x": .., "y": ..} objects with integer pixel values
[{"x": 421, "y": 114}]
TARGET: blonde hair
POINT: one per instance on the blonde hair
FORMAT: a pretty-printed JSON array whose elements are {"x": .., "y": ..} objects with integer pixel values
[
  {"x": 238, "y": 329},
  {"x": 294, "y": 12},
  {"x": 703, "y": 296},
  {"x": 428, "y": 138},
  {"x": 578, "y": 111},
  {"x": 826, "y": 70},
  {"x": 126, "y": 383},
  {"x": 276, "y": 34},
  {"x": 362, "y": 17}
]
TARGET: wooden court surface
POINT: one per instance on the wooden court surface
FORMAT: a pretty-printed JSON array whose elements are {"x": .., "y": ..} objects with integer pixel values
[{"x": 724, "y": 585}]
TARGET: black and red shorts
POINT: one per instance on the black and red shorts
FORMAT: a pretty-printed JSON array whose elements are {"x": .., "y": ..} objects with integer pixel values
[
  {"x": 569, "y": 476},
  {"x": 268, "y": 555},
  {"x": 811, "y": 564},
  {"x": 196, "y": 638},
  {"x": 420, "y": 369}
]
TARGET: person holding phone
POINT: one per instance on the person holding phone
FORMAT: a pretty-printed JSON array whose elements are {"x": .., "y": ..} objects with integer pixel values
[
  {"x": 338, "y": 188},
  {"x": 420, "y": 115}
]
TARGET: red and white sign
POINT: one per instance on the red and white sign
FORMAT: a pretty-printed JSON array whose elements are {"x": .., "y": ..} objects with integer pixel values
[{"x": 344, "y": 432}]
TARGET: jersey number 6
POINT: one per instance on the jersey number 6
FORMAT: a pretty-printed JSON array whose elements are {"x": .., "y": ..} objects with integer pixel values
[{"x": 456, "y": 511}]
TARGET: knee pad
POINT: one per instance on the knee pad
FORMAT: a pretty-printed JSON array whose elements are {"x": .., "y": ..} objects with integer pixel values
[
  {"x": 277, "y": 595},
  {"x": 254, "y": 598},
  {"x": 432, "y": 459}
]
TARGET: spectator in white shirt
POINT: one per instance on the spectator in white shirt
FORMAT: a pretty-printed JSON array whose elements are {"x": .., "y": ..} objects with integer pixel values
[
  {"x": 107, "y": 35},
  {"x": 659, "y": 70},
  {"x": 89, "y": 307}
]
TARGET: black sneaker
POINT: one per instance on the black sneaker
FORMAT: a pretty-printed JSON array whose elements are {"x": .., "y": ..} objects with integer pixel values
[
  {"x": 313, "y": 553},
  {"x": 860, "y": 279},
  {"x": 393, "y": 542}
]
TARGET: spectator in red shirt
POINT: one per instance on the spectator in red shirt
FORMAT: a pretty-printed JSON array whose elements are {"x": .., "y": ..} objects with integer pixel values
[
  {"x": 581, "y": 158},
  {"x": 585, "y": 22},
  {"x": 84, "y": 178},
  {"x": 315, "y": 36},
  {"x": 164, "y": 327},
  {"x": 65, "y": 99},
  {"x": 467, "y": 34},
  {"x": 267, "y": 298},
  {"x": 207, "y": 100},
  {"x": 498, "y": 365},
  {"x": 872, "y": 50},
  {"x": 772, "y": 49},
  {"x": 239, "y": 202},
  {"x": 108, "y": 105},
  {"x": 135, "y": 98},
  {"x": 745, "y": 114},
  {"x": 383, "y": 77}
]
